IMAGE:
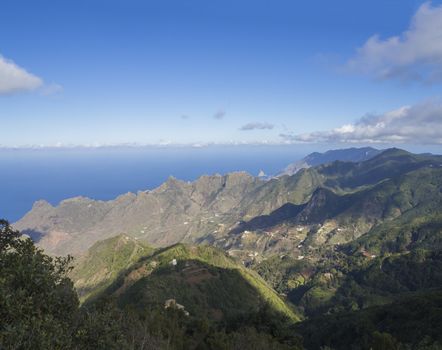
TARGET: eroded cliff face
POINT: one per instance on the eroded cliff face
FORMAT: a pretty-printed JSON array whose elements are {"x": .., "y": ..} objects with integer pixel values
[{"x": 176, "y": 211}]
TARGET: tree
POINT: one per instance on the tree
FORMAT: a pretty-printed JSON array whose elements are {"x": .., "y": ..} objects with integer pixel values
[
  {"x": 384, "y": 341},
  {"x": 38, "y": 304}
]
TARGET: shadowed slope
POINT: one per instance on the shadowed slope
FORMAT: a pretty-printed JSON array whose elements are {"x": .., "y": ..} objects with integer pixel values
[
  {"x": 99, "y": 267},
  {"x": 203, "y": 279}
]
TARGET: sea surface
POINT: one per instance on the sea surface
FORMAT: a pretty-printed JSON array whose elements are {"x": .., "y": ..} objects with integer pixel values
[{"x": 57, "y": 174}]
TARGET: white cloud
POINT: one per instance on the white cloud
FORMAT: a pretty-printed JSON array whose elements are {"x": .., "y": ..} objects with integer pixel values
[
  {"x": 159, "y": 144},
  {"x": 419, "y": 124},
  {"x": 416, "y": 54},
  {"x": 16, "y": 79},
  {"x": 256, "y": 126}
]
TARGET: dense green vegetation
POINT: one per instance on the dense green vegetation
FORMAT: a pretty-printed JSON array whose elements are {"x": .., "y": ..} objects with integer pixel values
[
  {"x": 202, "y": 278},
  {"x": 95, "y": 271},
  {"x": 410, "y": 323},
  {"x": 368, "y": 286},
  {"x": 394, "y": 299},
  {"x": 39, "y": 309},
  {"x": 37, "y": 302}
]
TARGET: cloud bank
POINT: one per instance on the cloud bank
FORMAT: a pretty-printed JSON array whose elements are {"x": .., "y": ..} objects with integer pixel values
[
  {"x": 419, "y": 124},
  {"x": 256, "y": 126},
  {"x": 16, "y": 79},
  {"x": 415, "y": 55}
]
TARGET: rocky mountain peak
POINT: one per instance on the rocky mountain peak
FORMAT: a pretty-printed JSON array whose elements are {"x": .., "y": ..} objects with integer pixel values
[{"x": 41, "y": 204}]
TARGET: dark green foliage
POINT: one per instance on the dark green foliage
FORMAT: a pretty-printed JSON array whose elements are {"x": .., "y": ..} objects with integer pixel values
[
  {"x": 338, "y": 282},
  {"x": 39, "y": 309},
  {"x": 391, "y": 163},
  {"x": 204, "y": 280},
  {"x": 410, "y": 231},
  {"x": 171, "y": 329},
  {"x": 400, "y": 254},
  {"x": 95, "y": 271},
  {"x": 383, "y": 280},
  {"x": 38, "y": 305},
  {"x": 284, "y": 274},
  {"x": 411, "y": 321},
  {"x": 101, "y": 328},
  {"x": 107, "y": 326}
]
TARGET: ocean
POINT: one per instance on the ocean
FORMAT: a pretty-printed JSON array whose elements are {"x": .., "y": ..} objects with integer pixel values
[{"x": 105, "y": 173}]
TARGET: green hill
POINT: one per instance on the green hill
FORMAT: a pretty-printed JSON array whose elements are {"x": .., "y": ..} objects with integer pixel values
[
  {"x": 99, "y": 267},
  {"x": 204, "y": 280}
]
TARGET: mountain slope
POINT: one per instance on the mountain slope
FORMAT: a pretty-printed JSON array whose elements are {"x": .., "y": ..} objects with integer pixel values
[
  {"x": 203, "y": 279},
  {"x": 403, "y": 198},
  {"x": 97, "y": 269},
  {"x": 344, "y": 155},
  {"x": 413, "y": 322},
  {"x": 165, "y": 215},
  {"x": 392, "y": 212},
  {"x": 177, "y": 211}
]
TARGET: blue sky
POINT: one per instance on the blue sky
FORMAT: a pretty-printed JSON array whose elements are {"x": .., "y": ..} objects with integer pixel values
[{"x": 194, "y": 72}]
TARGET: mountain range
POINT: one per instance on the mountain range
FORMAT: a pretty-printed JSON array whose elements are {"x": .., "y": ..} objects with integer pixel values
[
  {"x": 174, "y": 212},
  {"x": 342, "y": 249},
  {"x": 330, "y": 203},
  {"x": 316, "y": 158}
]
